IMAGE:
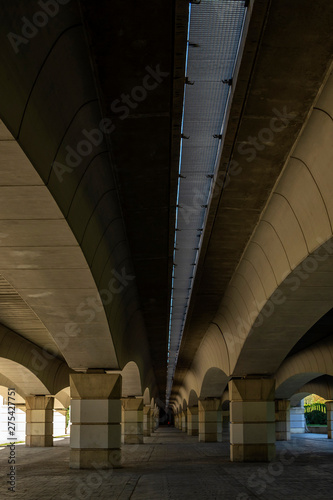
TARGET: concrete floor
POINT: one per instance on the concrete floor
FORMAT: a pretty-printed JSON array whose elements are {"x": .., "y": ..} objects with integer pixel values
[{"x": 174, "y": 466}]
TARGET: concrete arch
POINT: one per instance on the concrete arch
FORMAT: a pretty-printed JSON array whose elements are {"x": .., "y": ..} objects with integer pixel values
[
  {"x": 293, "y": 384},
  {"x": 303, "y": 367},
  {"x": 322, "y": 386},
  {"x": 288, "y": 254},
  {"x": 131, "y": 380},
  {"x": 146, "y": 396},
  {"x": 62, "y": 398},
  {"x": 52, "y": 372},
  {"x": 26, "y": 382},
  {"x": 4, "y": 391},
  {"x": 296, "y": 398},
  {"x": 212, "y": 352},
  {"x": 184, "y": 405},
  {"x": 193, "y": 398},
  {"x": 214, "y": 383}
]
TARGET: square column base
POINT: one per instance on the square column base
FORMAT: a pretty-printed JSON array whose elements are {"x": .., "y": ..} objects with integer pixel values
[
  {"x": 252, "y": 452},
  {"x": 39, "y": 441},
  {"x": 95, "y": 458}
]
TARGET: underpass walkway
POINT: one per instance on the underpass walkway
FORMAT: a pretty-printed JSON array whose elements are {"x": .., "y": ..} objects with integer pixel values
[{"x": 174, "y": 466}]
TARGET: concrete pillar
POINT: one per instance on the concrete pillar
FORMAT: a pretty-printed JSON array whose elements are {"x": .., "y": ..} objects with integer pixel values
[
  {"x": 151, "y": 421},
  {"x": 192, "y": 421},
  {"x": 225, "y": 425},
  {"x": 329, "y": 410},
  {"x": 96, "y": 416},
  {"x": 282, "y": 420},
  {"x": 39, "y": 427},
  {"x": 176, "y": 420},
  {"x": 157, "y": 418},
  {"x": 210, "y": 420},
  {"x": 180, "y": 421},
  {"x": 184, "y": 421},
  {"x": 146, "y": 420},
  {"x": 297, "y": 419},
  {"x": 132, "y": 421},
  {"x": 252, "y": 415}
]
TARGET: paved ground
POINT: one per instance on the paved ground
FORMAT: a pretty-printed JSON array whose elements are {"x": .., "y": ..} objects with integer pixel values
[{"x": 173, "y": 466}]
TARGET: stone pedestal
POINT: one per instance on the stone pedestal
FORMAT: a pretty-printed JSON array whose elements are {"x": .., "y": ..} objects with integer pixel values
[
  {"x": 252, "y": 420},
  {"x": 132, "y": 421},
  {"x": 210, "y": 420},
  {"x": 39, "y": 426},
  {"x": 329, "y": 409},
  {"x": 96, "y": 416},
  {"x": 282, "y": 420},
  {"x": 184, "y": 421},
  {"x": 146, "y": 420},
  {"x": 192, "y": 421}
]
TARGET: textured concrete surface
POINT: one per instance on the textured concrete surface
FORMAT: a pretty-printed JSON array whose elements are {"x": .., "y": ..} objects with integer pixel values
[{"x": 172, "y": 465}]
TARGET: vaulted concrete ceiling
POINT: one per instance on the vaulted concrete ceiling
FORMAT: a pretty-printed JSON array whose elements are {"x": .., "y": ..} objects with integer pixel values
[
  {"x": 110, "y": 195},
  {"x": 287, "y": 53}
]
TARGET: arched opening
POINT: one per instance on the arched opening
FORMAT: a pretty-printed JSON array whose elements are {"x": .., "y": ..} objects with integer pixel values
[
  {"x": 61, "y": 414},
  {"x": 213, "y": 384}
]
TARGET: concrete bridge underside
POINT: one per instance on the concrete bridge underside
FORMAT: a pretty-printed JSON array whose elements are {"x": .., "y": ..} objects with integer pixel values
[{"x": 91, "y": 102}]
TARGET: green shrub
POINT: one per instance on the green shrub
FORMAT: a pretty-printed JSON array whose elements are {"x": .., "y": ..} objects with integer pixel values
[{"x": 316, "y": 417}]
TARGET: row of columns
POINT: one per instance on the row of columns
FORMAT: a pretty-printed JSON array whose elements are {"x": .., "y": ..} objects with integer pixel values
[
  {"x": 101, "y": 420},
  {"x": 257, "y": 420}
]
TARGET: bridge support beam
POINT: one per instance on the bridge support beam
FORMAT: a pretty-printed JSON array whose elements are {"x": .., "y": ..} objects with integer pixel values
[
  {"x": 146, "y": 420},
  {"x": 132, "y": 421},
  {"x": 282, "y": 419},
  {"x": 96, "y": 416},
  {"x": 39, "y": 426},
  {"x": 192, "y": 421},
  {"x": 210, "y": 420},
  {"x": 329, "y": 410},
  {"x": 252, "y": 415}
]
